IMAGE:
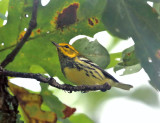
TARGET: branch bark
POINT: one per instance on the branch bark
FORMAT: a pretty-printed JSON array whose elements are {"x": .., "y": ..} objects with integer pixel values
[
  {"x": 51, "y": 81},
  {"x": 33, "y": 23}
]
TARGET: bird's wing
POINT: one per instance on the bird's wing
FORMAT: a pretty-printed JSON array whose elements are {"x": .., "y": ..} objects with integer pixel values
[{"x": 106, "y": 74}]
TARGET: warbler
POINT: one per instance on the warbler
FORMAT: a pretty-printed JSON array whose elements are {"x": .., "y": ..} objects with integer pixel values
[{"x": 82, "y": 71}]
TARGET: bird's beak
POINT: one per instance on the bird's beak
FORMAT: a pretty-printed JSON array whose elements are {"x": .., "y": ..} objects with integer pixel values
[{"x": 57, "y": 45}]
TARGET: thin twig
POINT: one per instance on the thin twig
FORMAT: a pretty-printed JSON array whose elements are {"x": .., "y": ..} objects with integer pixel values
[
  {"x": 6, "y": 48},
  {"x": 51, "y": 81},
  {"x": 33, "y": 23}
]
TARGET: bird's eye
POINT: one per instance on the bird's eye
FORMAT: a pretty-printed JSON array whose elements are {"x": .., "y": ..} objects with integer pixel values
[{"x": 66, "y": 46}]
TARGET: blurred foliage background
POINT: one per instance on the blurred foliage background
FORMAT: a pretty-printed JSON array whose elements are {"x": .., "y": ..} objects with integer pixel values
[{"x": 61, "y": 21}]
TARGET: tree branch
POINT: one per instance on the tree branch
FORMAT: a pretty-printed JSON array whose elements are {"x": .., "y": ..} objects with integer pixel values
[
  {"x": 51, "y": 81},
  {"x": 33, "y": 23}
]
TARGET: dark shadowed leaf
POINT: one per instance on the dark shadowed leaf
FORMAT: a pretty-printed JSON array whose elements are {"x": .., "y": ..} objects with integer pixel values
[
  {"x": 93, "y": 51},
  {"x": 136, "y": 19}
]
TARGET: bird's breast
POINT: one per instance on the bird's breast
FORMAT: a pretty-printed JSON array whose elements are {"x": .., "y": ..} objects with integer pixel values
[{"x": 83, "y": 76}]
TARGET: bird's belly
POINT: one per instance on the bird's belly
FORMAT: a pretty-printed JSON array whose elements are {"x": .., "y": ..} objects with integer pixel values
[{"x": 83, "y": 77}]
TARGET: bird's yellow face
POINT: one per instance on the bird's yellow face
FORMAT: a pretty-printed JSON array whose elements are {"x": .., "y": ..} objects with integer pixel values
[{"x": 66, "y": 49}]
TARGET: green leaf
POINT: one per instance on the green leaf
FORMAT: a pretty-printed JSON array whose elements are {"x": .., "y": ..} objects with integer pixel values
[
  {"x": 129, "y": 62},
  {"x": 114, "y": 59},
  {"x": 37, "y": 69},
  {"x": 128, "y": 69},
  {"x": 51, "y": 101},
  {"x": 93, "y": 51},
  {"x": 128, "y": 57},
  {"x": 80, "y": 118},
  {"x": 136, "y": 19},
  {"x": 4, "y": 7}
]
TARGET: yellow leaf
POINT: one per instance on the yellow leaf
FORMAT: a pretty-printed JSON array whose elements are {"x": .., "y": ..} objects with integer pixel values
[{"x": 31, "y": 106}]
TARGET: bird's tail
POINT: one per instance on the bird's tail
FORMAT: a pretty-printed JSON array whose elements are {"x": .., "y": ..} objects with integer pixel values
[
  {"x": 122, "y": 86},
  {"x": 118, "y": 84}
]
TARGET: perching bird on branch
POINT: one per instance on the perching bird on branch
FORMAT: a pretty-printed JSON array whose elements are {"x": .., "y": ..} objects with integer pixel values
[{"x": 81, "y": 71}]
